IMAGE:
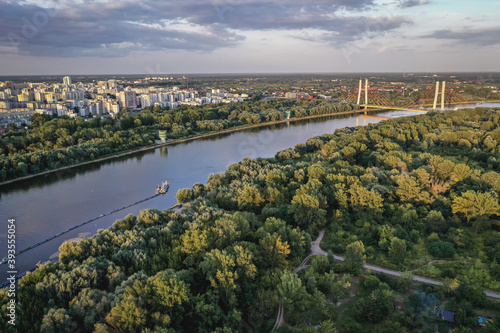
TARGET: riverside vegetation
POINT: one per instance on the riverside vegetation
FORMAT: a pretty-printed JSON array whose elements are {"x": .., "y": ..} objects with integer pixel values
[
  {"x": 49, "y": 144},
  {"x": 416, "y": 194}
]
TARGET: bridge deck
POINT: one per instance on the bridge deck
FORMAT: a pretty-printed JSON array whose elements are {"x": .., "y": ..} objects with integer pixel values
[
  {"x": 392, "y": 108},
  {"x": 423, "y": 105}
]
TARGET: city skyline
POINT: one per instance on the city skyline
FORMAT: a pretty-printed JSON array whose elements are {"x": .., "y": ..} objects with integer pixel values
[{"x": 246, "y": 36}]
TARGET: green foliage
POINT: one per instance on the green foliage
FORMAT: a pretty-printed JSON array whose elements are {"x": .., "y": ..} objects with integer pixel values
[
  {"x": 59, "y": 142},
  {"x": 397, "y": 251},
  {"x": 392, "y": 193},
  {"x": 250, "y": 199},
  {"x": 355, "y": 256},
  {"x": 293, "y": 294},
  {"x": 307, "y": 212},
  {"x": 442, "y": 249},
  {"x": 184, "y": 195},
  {"x": 57, "y": 320},
  {"x": 474, "y": 204},
  {"x": 375, "y": 307},
  {"x": 472, "y": 293}
]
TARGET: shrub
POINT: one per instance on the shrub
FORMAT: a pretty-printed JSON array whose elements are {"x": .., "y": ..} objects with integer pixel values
[{"x": 442, "y": 249}]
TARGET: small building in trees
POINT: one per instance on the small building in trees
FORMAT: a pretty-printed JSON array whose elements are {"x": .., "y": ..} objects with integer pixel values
[{"x": 447, "y": 316}]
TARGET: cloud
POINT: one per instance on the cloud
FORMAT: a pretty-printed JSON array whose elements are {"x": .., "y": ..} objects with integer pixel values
[
  {"x": 411, "y": 3},
  {"x": 479, "y": 37},
  {"x": 113, "y": 28},
  {"x": 368, "y": 28}
]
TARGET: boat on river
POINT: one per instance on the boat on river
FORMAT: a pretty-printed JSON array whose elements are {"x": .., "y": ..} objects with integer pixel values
[{"x": 163, "y": 188}]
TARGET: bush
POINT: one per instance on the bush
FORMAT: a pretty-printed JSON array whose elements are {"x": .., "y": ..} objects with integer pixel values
[
  {"x": 184, "y": 195},
  {"x": 442, "y": 249}
]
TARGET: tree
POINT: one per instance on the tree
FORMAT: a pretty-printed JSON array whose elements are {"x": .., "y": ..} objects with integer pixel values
[
  {"x": 57, "y": 320},
  {"x": 327, "y": 326},
  {"x": 460, "y": 173},
  {"x": 397, "y": 250},
  {"x": 275, "y": 250},
  {"x": 170, "y": 290},
  {"x": 492, "y": 179},
  {"x": 219, "y": 268},
  {"x": 226, "y": 232},
  {"x": 184, "y": 195},
  {"x": 471, "y": 292},
  {"x": 473, "y": 205},
  {"x": 250, "y": 199},
  {"x": 375, "y": 307},
  {"x": 127, "y": 316},
  {"x": 442, "y": 249},
  {"x": 307, "y": 212},
  {"x": 320, "y": 264},
  {"x": 409, "y": 189},
  {"x": 90, "y": 307},
  {"x": 371, "y": 282},
  {"x": 292, "y": 293},
  {"x": 329, "y": 284},
  {"x": 194, "y": 241},
  {"x": 362, "y": 198},
  {"x": 355, "y": 256},
  {"x": 123, "y": 112}
]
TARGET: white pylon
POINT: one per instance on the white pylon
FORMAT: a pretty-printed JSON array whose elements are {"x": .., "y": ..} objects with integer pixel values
[
  {"x": 360, "y": 90},
  {"x": 442, "y": 92},
  {"x": 366, "y": 93}
]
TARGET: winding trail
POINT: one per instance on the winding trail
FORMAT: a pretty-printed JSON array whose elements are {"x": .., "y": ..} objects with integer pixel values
[
  {"x": 279, "y": 320},
  {"x": 316, "y": 250}
]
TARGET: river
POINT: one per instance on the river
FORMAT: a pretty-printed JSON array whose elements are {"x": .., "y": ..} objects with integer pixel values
[{"x": 48, "y": 204}]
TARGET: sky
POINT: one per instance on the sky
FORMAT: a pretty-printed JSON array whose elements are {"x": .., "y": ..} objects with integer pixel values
[{"x": 69, "y": 37}]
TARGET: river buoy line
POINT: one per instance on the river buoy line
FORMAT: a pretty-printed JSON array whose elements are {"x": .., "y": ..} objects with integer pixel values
[
  {"x": 160, "y": 190},
  {"x": 5, "y": 260},
  {"x": 77, "y": 226}
]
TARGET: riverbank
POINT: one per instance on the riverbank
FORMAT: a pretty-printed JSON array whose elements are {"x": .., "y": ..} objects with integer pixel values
[{"x": 176, "y": 141}]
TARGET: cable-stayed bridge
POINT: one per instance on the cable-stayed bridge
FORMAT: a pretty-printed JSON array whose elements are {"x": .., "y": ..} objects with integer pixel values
[{"x": 431, "y": 99}]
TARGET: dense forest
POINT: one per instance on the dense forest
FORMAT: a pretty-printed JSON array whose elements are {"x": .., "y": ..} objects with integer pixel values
[
  {"x": 53, "y": 143},
  {"x": 415, "y": 194}
]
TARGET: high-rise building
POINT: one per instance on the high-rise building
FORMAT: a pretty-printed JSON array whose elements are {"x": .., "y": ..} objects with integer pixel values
[
  {"x": 128, "y": 99},
  {"x": 67, "y": 81},
  {"x": 23, "y": 98}
]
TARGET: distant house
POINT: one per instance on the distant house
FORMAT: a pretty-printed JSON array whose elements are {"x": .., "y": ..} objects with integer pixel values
[
  {"x": 447, "y": 316},
  {"x": 398, "y": 305}
]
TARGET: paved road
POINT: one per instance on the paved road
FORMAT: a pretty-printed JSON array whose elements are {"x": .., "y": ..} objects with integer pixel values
[{"x": 315, "y": 249}]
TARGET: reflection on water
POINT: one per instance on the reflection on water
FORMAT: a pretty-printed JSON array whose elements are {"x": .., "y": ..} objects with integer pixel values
[
  {"x": 69, "y": 173},
  {"x": 48, "y": 204}
]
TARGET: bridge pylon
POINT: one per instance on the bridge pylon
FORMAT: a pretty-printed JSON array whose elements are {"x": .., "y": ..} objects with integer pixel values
[
  {"x": 360, "y": 90},
  {"x": 442, "y": 93}
]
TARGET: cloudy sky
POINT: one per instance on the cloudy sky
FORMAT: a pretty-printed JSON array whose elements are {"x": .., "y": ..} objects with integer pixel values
[{"x": 247, "y": 36}]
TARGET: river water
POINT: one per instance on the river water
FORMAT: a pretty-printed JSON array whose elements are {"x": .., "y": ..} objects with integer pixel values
[{"x": 48, "y": 204}]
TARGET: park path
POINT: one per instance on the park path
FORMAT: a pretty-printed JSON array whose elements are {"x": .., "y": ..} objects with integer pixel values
[{"x": 316, "y": 250}]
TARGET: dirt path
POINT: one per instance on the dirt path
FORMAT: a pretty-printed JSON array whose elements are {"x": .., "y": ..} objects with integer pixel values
[
  {"x": 316, "y": 250},
  {"x": 280, "y": 320}
]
